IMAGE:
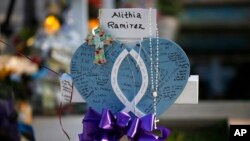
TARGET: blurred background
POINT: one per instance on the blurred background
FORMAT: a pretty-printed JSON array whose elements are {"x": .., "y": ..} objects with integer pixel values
[{"x": 36, "y": 34}]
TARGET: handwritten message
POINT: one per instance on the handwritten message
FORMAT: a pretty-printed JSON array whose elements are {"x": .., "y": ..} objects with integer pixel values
[
  {"x": 174, "y": 69},
  {"x": 123, "y": 83},
  {"x": 66, "y": 85}
]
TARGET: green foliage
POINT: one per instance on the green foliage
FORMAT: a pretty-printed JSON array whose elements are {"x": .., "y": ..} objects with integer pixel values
[
  {"x": 169, "y": 7},
  {"x": 218, "y": 132},
  {"x": 26, "y": 33}
]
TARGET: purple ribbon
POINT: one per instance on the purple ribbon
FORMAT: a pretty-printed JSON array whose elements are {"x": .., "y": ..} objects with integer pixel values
[{"x": 105, "y": 127}]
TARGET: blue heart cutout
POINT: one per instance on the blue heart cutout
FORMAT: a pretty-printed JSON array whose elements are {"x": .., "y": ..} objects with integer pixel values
[{"x": 94, "y": 82}]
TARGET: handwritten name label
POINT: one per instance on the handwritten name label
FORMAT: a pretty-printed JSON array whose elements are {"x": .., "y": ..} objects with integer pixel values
[{"x": 128, "y": 23}]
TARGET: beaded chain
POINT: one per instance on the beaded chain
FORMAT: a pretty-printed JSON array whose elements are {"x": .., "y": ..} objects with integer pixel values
[{"x": 154, "y": 82}]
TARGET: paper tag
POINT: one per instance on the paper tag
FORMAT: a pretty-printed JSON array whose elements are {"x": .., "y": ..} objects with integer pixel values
[
  {"x": 128, "y": 22},
  {"x": 66, "y": 83}
]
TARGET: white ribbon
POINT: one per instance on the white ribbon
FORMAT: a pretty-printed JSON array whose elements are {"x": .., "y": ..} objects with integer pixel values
[{"x": 130, "y": 106}]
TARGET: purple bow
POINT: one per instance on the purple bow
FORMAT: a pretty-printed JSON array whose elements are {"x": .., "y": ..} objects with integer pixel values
[{"x": 105, "y": 127}]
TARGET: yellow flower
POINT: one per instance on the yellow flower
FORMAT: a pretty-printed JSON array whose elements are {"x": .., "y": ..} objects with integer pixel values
[{"x": 52, "y": 24}]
